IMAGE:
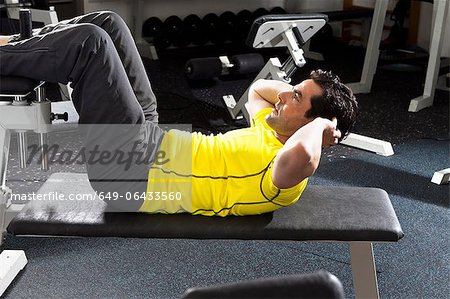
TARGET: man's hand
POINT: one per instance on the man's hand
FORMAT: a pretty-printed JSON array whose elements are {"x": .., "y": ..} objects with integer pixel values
[
  {"x": 330, "y": 134},
  {"x": 4, "y": 39}
]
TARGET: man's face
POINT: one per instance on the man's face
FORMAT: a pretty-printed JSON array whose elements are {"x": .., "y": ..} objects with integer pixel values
[{"x": 289, "y": 112}]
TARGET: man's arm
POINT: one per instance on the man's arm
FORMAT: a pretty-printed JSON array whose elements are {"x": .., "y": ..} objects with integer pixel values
[
  {"x": 264, "y": 94},
  {"x": 300, "y": 155}
]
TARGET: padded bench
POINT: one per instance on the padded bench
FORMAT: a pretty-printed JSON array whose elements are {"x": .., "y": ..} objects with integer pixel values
[{"x": 359, "y": 216}]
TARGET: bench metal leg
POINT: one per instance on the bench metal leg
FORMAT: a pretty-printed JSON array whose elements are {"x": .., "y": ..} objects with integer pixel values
[{"x": 363, "y": 270}]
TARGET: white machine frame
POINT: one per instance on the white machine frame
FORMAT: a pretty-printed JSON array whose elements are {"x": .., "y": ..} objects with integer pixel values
[
  {"x": 440, "y": 12},
  {"x": 39, "y": 15},
  {"x": 20, "y": 116},
  {"x": 276, "y": 34}
]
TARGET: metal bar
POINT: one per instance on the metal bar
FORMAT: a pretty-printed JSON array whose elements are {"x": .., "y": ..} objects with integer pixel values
[
  {"x": 43, "y": 148},
  {"x": 440, "y": 7},
  {"x": 271, "y": 70},
  {"x": 372, "y": 51},
  {"x": 363, "y": 270},
  {"x": 5, "y": 141},
  {"x": 22, "y": 143},
  {"x": 40, "y": 94}
]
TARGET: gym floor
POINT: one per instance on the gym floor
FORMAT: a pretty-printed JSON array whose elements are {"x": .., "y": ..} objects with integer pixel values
[{"x": 416, "y": 267}]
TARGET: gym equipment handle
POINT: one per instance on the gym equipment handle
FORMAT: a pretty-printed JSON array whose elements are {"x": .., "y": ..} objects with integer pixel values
[
  {"x": 64, "y": 116},
  {"x": 25, "y": 23}
]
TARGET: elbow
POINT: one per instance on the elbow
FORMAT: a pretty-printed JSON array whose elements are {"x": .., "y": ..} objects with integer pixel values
[
  {"x": 311, "y": 169},
  {"x": 256, "y": 86},
  {"x": 308, "y": 158},
  {"x": 309, "y": 165},
  {"x": 294, "y": 166}
]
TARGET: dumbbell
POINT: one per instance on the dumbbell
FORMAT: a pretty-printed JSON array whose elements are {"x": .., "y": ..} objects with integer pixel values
[
  {"x": 322, "y": 40},
  {"x": 151, "y": 29},
  {"x": 211, "y": 24},
  {"x": 244, "y": 20},
  {"x": 228, "y": 26},
  {"x": 194, "y": 30},
  {"x": 154, "y": 31},
  {"x": 162, "y": 41},
  {"x": 210, "y": 67},
  {"x": 278, "y": 10},
  {"x": 175, "y": 31},
  {"x": 260, "y": 12}
]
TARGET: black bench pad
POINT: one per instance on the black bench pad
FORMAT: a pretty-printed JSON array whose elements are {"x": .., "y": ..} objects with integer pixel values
[
  {"x": 340, "y": 15},
  {"x": 322, "y": 213},
  {"x": 10, "y": 85}
]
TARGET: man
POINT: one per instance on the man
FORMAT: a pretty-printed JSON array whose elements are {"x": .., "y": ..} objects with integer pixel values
[{"x": 247, "y": 171}]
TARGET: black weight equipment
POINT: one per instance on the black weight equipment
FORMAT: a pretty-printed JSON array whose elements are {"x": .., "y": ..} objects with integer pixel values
[
  {"x": 175, "y": 31},
  {"x": 203, "y": 68},
  {"x": 323, "y": 41},
  {"x": 194, "y": 30},
  {"x": 161, "y": 40},
  {"x": 244, "y": 20},
  {"x": 259, "y": 12},
  {"x": 209, "y": 67},
  {"x": 246, "y": 63},
  {"x": 151, "y": 28},
  {"x": 278, "y": 10},
  {"x": 211, "y": 23},
  {"x": 228, "y": 26}
]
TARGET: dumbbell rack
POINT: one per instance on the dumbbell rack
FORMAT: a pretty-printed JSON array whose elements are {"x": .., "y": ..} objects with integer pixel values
[{"x": 192, "y": 30}]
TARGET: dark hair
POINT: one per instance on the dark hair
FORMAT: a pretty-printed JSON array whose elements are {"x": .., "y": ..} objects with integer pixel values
[{"x": 337, "y": 101}]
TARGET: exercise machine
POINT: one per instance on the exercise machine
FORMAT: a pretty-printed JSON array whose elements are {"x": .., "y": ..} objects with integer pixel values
[
  {"x": 19, "y": 114},
  {"x": 44, "y": 16},
  {"x": 293, "y": 32}
]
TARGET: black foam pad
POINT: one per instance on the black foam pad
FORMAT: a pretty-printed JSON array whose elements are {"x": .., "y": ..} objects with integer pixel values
[
  {"x": 289, "y": 17},
  {"x": 10, "y": 85},
  {"x": 322, "y": 213},
  {"x": 313, "y": 285}
]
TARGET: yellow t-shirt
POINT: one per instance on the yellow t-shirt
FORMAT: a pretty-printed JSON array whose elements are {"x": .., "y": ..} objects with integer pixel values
[{"x": 225, "y": 174}]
